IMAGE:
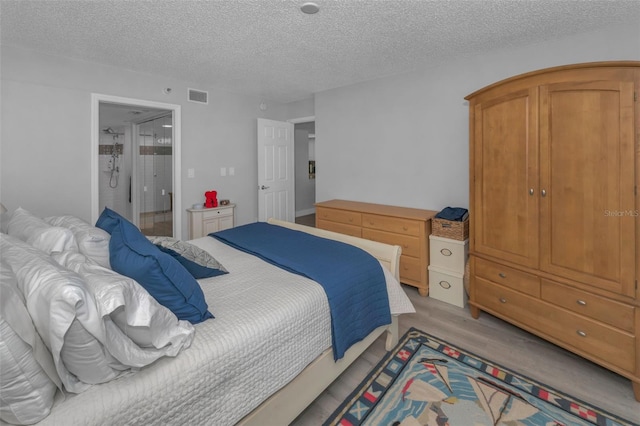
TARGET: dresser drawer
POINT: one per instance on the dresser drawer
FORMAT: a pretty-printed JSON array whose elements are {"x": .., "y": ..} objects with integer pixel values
[
  {"x": 591, "y": 337},
  {"x": 590, "y": 305},
  {"x": 392, "y": 224},
  {"x": 410, "y": 245},
  {"x": 447, "y": 253},
  {"x": 517, "y": 280},
  {"x": 410, "y": 269},
  {"x": 342, "y": 228},
  {"x": 341, "y": 216}
]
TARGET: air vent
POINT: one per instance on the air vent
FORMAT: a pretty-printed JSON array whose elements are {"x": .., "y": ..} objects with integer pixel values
[{"x": 198, "y": 96}]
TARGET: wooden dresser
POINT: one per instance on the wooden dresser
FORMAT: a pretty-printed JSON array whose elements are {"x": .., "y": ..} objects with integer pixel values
[
  {"x": 406, "y": 227},
  {"x": 554, "y": 211}
]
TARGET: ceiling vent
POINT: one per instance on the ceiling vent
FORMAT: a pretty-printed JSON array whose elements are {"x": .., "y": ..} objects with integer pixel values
[{"x": 198, "y": 96}]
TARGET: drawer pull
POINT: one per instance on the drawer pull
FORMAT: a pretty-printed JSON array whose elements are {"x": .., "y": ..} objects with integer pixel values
[
  {"x": 581, "y": 302},
  {"x": 350, "y": 219},
  {"x": 446, "y": 252},
  {"x": 581, "y": 333},
  {"x": 405, "y": 228},
  {"x": 503, "y": 300},
  {"x": 445, "y": 285},
  {"x": 502, "y": 275}
]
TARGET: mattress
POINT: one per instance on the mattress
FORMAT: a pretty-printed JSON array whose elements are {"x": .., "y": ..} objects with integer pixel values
[{"x": 269, "y": 325}]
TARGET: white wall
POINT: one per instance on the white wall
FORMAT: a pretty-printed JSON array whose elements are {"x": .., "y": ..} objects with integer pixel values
[
  {"x": 403, "y": 140},
  {"x": 400, "y": 140},
  {"x": 46, "y": 135}
]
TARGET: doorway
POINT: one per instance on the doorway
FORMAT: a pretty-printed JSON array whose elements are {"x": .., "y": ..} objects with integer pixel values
[
  {"x": 136, "y": 162},
  {"x": 305, "y": 170}
]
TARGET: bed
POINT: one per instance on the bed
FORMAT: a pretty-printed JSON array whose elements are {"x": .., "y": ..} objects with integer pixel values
[{"x": 263, "y": 359}]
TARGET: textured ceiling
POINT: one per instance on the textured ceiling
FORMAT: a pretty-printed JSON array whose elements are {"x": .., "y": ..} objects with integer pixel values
[{"x": 271, "y": 49}]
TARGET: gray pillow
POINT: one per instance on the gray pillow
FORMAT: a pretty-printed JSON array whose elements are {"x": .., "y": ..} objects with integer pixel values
[{"x": 198, "y": 262}]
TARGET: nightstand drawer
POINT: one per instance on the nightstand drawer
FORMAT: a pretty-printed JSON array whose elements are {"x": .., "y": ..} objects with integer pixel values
[
  {"x": 448, "y": 254},
  {"x": 340, "y": 216},
  {"x": 391, "y": 224},
  {"x": 503, "y": 275},
  {"x": 410, "y": 245}
]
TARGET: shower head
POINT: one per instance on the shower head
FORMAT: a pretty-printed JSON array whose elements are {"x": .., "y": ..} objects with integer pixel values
[{"x": 108, "y": 130}]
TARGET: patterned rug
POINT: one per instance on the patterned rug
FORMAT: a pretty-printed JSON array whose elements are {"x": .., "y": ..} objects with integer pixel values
[{"x": 425, "y": 381}]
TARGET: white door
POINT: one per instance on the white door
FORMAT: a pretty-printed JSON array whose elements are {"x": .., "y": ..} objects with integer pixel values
[{"x": 275, "y": 170}]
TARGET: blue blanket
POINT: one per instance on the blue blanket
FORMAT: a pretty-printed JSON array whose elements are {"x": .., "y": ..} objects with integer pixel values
[{"x": 352, "y": 279}]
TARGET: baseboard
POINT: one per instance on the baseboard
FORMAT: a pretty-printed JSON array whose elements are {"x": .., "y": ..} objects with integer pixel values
[{"x": 305, "y": 212}]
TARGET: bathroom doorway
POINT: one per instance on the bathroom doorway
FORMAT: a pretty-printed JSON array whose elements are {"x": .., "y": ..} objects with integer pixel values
[{"x": 136, "y": 166}]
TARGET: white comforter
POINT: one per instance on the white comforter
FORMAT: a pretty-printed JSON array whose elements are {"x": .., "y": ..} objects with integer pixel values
[{"x": 269, "y": 325}]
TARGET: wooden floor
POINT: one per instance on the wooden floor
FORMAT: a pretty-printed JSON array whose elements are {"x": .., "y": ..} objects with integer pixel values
[
  {"x": 309, "y": 220},
  {"x": 490, "y": 338}
]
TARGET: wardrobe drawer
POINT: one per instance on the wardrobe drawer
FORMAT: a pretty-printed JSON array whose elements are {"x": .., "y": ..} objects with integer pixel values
[
  {"x": 354, "y": 231},
  {"x": 410, "y": 245},
  {"x": 391, "y": 224},
  {"x": 591, "y": 337},
  {"x": 410, "y": 269},
  {"x": 517, "y": 280},
  {"x": 447, "y": 253},
  {"x": 595, "y": 338},
  {"x": 590, "y": 305},
  {"x": 507, "y": 302},
  {"x": 341, "y": 216}
]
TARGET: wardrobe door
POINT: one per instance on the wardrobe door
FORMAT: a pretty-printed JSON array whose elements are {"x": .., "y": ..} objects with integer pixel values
[
  {"x": 587, "y": 204},
  {"x": 505, "y": 177}
]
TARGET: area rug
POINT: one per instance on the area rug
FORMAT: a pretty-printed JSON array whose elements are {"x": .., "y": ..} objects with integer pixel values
[{"x": 426, "y": 381}]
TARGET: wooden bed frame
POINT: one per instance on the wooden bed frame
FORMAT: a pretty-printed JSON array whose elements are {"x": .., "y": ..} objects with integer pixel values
[{"x": 286, "y": 404}]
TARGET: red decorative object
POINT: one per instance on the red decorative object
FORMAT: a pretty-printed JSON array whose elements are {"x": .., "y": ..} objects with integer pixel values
[{"x": 211, "y": 199}]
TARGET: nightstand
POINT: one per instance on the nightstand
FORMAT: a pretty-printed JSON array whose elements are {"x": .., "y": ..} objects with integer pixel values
[{"x": 204, "y": 221}]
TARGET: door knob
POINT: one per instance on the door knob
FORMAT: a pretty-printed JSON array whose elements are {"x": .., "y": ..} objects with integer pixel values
[{"x": 264, "y": 187}]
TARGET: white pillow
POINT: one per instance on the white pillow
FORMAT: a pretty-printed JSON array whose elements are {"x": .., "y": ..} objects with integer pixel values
[
  {"x": 35, "y": 231},
  {"x": 4, "y": 221},
  {"x": 93, "y": 242},
  {"x": 28, "y": 378},
  {"x": 55, "y": 298},
  {"x": 26, "y": 392},
  {"x": 139, "y": 329}
]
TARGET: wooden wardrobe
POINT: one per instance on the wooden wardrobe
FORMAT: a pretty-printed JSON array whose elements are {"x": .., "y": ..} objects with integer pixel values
[{"x": 554, "y": 208}]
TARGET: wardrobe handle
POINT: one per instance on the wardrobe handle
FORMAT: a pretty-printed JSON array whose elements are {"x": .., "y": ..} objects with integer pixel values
[
  {"x": 581, "y": 333},
  {"x": 502, "y": 275},
  {"x": 503, "y": 300},
  {"x": 544, "y": 193},
  {"x": 581, "y": 302},
  {"x": 531, "y": 191}
]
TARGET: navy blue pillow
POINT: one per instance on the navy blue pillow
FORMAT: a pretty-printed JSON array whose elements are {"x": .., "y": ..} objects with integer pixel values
[{"x": 133, "y": 255}]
